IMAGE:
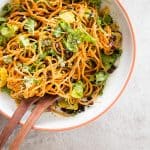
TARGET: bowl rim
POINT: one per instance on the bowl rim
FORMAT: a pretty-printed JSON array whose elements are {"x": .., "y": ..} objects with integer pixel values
[{"x": 117, "y": 97}]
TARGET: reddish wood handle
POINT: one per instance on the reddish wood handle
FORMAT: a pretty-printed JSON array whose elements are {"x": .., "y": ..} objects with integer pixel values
[
  {"x": 41, "y": 106},
  {"x": 13, "y": 122}
]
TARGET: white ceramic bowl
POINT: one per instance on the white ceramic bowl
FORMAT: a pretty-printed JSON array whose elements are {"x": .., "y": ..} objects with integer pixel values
[{"x": 114, "y": 88}]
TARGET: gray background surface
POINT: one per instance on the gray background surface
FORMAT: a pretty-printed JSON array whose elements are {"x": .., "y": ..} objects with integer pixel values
[{"x": 127, "y": 125}]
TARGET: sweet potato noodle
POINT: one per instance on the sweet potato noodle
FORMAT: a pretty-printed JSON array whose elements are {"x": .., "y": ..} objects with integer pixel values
[{"x": 64, "y": 48}]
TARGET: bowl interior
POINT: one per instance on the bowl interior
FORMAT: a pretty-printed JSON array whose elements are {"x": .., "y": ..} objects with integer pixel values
[{"x": 112, "y": 90}]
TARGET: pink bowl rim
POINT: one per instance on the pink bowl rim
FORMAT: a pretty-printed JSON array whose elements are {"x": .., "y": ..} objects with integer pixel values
[{"x": 119, "y": 94}]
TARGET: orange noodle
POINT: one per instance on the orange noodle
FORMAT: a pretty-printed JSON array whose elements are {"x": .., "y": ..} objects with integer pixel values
[{"x": 64, "y": 48}]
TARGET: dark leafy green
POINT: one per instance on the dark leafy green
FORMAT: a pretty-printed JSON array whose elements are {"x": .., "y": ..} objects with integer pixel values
[
  {"x": 76, "y": 37},
  {"x": 101, "y": 77},
  {"x": 49, "y": 52},
  {"x": 7, "y": 59},
  {"x": 64, "y": 104},
  {"x": 7, "y": 31},
  {"x": 78, "y": 89},
  {"x": 109, "y": 60},
  {"x": 65, "y": 26},
  {"x": 95, "y": 3},
  {"x": 2, "y": 40},
  {"x": 71, "y": 44},
  {"x": 6, "y": 90},
  {"x": 73, "y": 37},
  {"x": 105, "y": 20},
  {"x": 2, "y": 20},
  {"x": 6, "y": 10}
]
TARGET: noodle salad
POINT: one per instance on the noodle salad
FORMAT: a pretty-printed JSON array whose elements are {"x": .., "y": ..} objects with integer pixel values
[{"x": 63, "y": 47}]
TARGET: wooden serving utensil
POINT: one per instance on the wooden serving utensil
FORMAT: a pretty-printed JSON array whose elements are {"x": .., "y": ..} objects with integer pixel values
[
  {"x": 42, "y": 104},
  {"x": 13, "y": 122}
]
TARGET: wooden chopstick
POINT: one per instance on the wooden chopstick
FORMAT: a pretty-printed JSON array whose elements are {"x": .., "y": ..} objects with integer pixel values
[
  {"x": 44, "y": 103},
  {"x": 13, "y": 122}
]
